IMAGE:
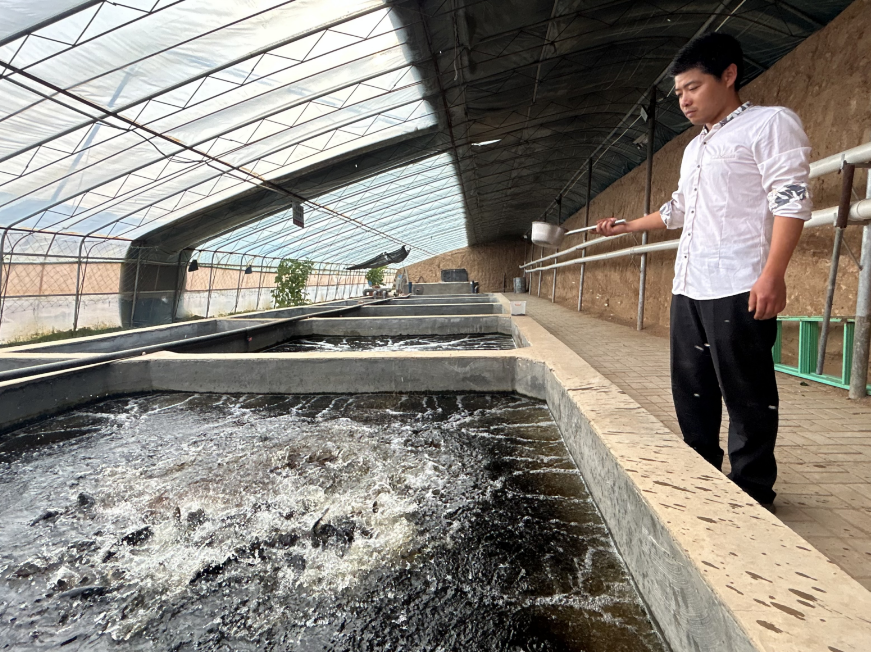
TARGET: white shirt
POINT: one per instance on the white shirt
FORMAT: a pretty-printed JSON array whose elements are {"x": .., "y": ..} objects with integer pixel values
[{"x": 733, "y": 180}]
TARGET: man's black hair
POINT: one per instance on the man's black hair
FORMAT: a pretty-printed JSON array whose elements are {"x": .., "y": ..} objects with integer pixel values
[{"x": 712, "y": 53}]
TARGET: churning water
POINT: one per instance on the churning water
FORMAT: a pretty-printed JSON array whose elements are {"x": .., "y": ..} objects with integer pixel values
[
  {"x": 470, "y": 342},
  {"x": 372, "y": 522}
]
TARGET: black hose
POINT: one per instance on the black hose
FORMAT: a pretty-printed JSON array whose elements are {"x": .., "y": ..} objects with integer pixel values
[{"x": 15, "y": 374}]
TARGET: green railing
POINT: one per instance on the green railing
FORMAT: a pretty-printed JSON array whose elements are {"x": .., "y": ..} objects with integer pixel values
[{"x": 808, "y": 344}]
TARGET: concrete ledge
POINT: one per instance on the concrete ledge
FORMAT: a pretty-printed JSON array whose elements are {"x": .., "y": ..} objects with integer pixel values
[
  {"x": 304, "y": 373},
  {"x": 40, "y": 396},
  {"x": 718, "y": 571},
  {"x": 21, "y": 360},
  {"x": 395, "y": 326},
  {"x": 434, "y": 309},
  {"x": 120, "y": 340}
]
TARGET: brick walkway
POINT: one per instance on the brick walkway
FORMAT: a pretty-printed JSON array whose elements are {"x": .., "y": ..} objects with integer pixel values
[{"x": 824, "y": 443}]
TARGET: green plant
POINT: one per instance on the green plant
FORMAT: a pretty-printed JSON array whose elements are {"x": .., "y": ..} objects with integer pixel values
[
  {"x": 290, "y": 280},
  {"x": 375, "y": 276}
]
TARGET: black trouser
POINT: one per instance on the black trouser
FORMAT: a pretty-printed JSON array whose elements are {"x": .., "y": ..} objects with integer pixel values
[{"x": 718, "y": 351}]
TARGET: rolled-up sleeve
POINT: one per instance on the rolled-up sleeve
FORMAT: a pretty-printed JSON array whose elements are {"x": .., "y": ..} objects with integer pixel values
[
  {"x": 782, "y": 152},
  {"x": 673, "y": 211}
]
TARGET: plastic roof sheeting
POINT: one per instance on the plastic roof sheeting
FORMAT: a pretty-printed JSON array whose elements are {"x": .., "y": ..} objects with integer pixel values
[
  {"x": 421, "y": 201},
  {"x": 268, "y": 85}
]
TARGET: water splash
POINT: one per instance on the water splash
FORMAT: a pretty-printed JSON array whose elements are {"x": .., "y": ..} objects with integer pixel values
[
  {"x": 344, "y": 344},
  {"x": 370, "y": 522}
]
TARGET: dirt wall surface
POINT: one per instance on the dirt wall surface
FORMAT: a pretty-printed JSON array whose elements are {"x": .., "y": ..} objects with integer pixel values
[
  {"x": 827, "y": 81},
  {"x": 490, "y": 265}
]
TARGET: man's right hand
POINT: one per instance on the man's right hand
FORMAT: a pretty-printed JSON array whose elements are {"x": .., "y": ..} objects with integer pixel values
[{"x": 607, "y": 227}]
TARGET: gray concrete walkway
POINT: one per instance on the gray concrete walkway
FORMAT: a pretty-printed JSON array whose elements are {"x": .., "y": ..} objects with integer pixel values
[{"x": 824, "y": 445}]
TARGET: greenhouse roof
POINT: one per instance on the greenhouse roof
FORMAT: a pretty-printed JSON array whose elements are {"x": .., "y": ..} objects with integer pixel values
[{"x": 199, "y": 123}]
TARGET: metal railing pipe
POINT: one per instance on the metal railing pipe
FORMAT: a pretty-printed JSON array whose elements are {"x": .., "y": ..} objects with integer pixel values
[
  {"x": 860, "y": 211},
  {"x": 833, "y": 163},
  {"x": 577, "y": 247},
  {"x": 667, "y": 245}
]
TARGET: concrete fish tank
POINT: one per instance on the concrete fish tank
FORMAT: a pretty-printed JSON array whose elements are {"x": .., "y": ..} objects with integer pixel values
[{"x": 192, "y": 521}]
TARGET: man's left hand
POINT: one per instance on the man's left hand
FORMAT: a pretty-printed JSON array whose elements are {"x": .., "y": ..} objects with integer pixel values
[{"x": 767, "y": 296}]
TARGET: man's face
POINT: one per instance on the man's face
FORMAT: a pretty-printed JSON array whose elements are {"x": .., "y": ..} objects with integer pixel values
[{"x": 703, "y": 96}]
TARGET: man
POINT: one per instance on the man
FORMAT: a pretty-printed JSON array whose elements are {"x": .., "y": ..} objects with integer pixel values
[{"x": 742, "y": 201}]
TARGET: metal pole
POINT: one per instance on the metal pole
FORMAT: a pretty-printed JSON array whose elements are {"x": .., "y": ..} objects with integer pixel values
[
  {"x": 135, "y": 287},
  {"x": 259, "y": 284},
  {"x": 559, "y": 219},
  {"x": 209, "y": 293},
  {"x": 586, "y": 224},
  {"x": 553, "y": 288},
  {"x": 862, "y": 328},
  {"x": 540, "y": 253},
  {"x": 847, "y": 173},
  {"x": 78, "y": 287},
  {"x": 176, "y": 296},
  {"x": 648, "y": 187},
  {"x": 4, "y": 280},
  {"x": 318, "y": 282},
  {"x": 239, "y": 284}
]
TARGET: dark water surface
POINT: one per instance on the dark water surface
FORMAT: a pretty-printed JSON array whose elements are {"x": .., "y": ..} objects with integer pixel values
[
  {"x": 469, "y": 342},
  {"x": 307, "y": 523}
]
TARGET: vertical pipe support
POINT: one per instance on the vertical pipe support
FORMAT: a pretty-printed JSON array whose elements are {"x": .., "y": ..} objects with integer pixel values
[
  {"x": 862, "y": 329},
  {"x": 209, "y": 293},
  {"x": 135, "y": 286},
  {"x": 559, "y": 219},
  {"x": 176, "y": 297},
  {"x": 239, "y": 284},
  {"x": 847, "y": 173},
  {"x": 259, "y": 284},
  {"x": 4, "y": 275},
  {"x": 78, "y": 287},
  {"x": 651, "y": 133}
]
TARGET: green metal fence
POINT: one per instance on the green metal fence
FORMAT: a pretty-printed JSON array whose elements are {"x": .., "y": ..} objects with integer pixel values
[{"x": 808, "y": 343}]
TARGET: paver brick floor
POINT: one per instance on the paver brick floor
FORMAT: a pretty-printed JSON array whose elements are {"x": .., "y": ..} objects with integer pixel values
[{"x": 823, "y": 446}]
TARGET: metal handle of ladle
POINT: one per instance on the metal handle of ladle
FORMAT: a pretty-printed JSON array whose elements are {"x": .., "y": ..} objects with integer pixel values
[{"x": 591, "y": 228}]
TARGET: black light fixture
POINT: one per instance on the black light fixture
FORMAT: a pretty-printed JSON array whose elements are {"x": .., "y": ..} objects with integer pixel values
[
  {"x": 193, "y": 266},
  {"x": 248, "y": 270}
]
